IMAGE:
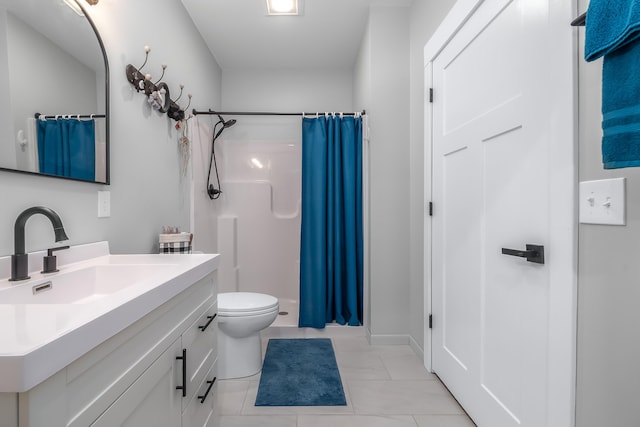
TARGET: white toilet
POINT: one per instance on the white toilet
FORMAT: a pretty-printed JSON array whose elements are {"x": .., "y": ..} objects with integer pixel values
[{"x": 241, "y": 317}]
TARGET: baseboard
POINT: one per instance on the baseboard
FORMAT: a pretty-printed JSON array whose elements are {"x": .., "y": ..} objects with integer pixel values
[
  {"x": 416, "y": 348},
  {"x": 330, "y": 331},
  {"x": 388, "y": 339}
]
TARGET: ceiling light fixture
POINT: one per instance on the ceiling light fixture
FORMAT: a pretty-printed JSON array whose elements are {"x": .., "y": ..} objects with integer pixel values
[{"x": 282, "y": 7}]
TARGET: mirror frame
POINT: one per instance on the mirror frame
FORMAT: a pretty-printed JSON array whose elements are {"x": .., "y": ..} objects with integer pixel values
[{"x": 106, "y": 118}]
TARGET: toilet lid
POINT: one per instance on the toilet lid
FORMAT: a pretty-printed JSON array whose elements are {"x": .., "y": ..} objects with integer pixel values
[{"x": 245, "y": 302}]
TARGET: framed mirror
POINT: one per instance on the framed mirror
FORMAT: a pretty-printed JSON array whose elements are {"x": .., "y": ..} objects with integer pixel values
[{"x": 54, "y": 86}]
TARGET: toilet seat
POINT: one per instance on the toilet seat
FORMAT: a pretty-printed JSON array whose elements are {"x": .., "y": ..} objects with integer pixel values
[{"x": 237, "y": 304}]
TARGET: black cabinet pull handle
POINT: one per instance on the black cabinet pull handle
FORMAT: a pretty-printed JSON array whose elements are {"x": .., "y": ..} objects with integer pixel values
[
  {"x": 533, "y": 253},
  {"x": 183, "y": 387},
  {"x": 202, "y": 328},
  {"x": 206, "y": 393}
]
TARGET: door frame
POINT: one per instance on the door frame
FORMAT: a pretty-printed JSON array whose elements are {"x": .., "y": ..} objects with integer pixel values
[{"x": 563, "y": 162}]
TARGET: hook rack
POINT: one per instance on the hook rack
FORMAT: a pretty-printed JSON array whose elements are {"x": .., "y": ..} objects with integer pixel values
[{"x": 158, "y": 91}]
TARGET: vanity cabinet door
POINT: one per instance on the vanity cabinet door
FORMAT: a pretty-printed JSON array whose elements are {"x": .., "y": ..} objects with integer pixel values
[
  {"x": 202, "y": 411},
  {"x": 200, "y": 341},
  {"x": 152, "y": 400}
]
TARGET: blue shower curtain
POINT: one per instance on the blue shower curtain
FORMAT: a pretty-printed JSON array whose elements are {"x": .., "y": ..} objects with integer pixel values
[
  {"x": 67, "y": 147},
  {"x": 331, "y": 247}
]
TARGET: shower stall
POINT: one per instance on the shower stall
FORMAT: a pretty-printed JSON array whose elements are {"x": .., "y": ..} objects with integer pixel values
[
  {"x": 255, "y": 221},
  {"x": 257, "y": 215}
]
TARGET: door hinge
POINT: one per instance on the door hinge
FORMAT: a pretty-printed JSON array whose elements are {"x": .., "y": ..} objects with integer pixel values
[
  {"x": 430, "y": 94},
  {"x": 430, "y": 208},
  {"x": 430, "y": 321}
]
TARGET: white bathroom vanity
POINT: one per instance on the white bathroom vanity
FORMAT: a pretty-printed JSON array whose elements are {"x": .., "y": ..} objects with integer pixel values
[{"x": 110, "y": 340}]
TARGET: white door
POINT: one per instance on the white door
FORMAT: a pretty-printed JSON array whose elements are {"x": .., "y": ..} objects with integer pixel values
[{"x": 493, "y": 132}]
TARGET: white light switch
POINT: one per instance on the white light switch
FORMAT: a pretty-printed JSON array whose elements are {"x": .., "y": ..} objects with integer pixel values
[
  {"x": 603, "y": 201},
  {"x": 104, "y": 204}
]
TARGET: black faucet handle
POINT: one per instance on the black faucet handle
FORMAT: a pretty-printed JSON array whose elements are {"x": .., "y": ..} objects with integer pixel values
[
  {"x": 50, "y": 251},
  {"x": 49, "y": 261}
]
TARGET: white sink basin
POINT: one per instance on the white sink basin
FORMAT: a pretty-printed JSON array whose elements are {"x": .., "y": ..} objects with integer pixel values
[
  {"x": 84, "y": 285},
  {"x": 94, "y": 296}
]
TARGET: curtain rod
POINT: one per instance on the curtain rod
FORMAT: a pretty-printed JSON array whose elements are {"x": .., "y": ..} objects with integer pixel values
[
  {"x": 261, "y": 113},
  {"x": 70, "y": 116}
]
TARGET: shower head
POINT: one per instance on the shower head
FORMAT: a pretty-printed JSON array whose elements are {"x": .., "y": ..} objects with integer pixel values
[
  {"x": 227, "y": 123},
  {"x": 213, "y": 192}
]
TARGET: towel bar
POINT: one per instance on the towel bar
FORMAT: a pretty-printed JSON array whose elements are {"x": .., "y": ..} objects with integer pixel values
[{"x": 579, "y": 21}]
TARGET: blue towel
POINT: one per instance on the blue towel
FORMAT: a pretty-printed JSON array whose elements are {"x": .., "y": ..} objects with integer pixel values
[
  {"x": 610, "y": 25},
  {"x": 612, "y": 30},
  {"x": 621, "y": 107}
]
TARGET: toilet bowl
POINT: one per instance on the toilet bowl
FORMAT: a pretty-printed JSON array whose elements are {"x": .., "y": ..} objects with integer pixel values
[{"x": 241, "y": 317}]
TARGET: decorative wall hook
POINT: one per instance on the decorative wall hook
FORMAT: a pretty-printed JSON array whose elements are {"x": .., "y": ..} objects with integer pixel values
[
  {"x": 159, "y": 98},
  {"x": 164, "y": 68},
  {"x": 175, "y": 112},
  {"x": 147, "y": 49},
  {"x": 181, "y": 89},
  {"x": 157, "y": 92},
  {"x": 135, "y": 76}
]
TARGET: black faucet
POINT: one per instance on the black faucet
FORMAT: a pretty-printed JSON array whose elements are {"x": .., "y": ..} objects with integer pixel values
[
  {"x": 20, "y": 259},
  {"x": 49, "y": 260}
]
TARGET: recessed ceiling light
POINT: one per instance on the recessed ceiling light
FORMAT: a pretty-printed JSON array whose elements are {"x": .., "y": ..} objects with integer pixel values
[{"x": 282, "y": 7}]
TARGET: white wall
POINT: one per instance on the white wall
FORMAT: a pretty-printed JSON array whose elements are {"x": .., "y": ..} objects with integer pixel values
[
  {"x": 383, "y": 67},
  {"x": 608, "y": 383},
  {"x": 147, "y": 188},
  {"x": 362, "y": 99},
  {"x": 287, "y": 90},
  {"x": 425, "y": 19}
]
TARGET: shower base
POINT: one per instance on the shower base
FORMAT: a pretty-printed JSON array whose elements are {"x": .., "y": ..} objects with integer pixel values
[{"x": 286, "y": 326}]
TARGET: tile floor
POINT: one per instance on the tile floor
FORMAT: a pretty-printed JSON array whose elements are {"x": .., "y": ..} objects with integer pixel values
[{"x": 385, "y": 386}]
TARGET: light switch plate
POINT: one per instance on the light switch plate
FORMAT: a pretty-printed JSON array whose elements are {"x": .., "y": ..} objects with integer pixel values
[
  {"x": 104, "y": 204},
  {"x": 603, "y": 201}
]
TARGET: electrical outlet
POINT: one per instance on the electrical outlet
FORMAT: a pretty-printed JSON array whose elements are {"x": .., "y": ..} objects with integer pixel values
[
  {"x": 104, "y": 204},
  {"x": 603, "y": 202}
]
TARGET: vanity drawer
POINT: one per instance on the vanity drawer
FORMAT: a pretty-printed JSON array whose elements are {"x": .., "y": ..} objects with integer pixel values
[
  {"x": 200, "y": 342},
  {"x": 202, "y": 409}
]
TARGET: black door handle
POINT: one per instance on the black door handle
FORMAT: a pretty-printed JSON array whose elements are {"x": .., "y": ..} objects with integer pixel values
[{"x": 533, "y": 253}]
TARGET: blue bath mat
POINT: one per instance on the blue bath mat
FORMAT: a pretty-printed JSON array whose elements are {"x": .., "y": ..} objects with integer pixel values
[{"x": 300, "y": 372}]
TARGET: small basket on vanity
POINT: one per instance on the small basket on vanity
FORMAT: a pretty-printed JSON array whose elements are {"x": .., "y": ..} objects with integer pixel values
[{"x": 175, "y": 243}]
